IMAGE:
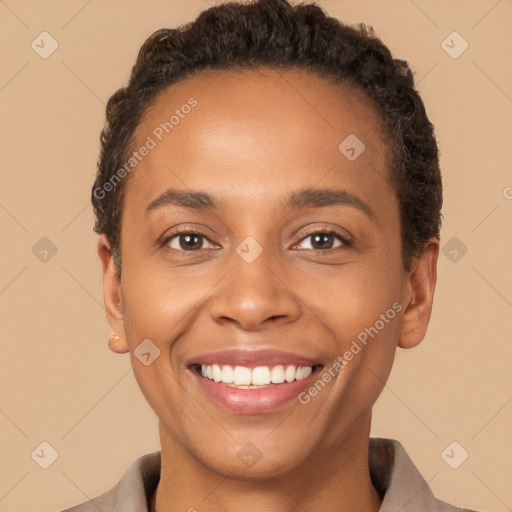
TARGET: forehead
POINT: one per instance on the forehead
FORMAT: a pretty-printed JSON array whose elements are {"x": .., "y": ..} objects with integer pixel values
[{"x": 259, "y": 127}]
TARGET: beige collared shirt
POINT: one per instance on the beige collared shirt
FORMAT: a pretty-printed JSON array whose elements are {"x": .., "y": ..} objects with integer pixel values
[{"x": 392, "y": 471}]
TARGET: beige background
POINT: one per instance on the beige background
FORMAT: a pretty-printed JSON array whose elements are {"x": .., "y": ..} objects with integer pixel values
[{"x": 61, "y": 384}]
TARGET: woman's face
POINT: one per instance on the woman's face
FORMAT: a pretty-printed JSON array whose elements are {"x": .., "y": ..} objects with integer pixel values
[{"x": 261, "y": 219}]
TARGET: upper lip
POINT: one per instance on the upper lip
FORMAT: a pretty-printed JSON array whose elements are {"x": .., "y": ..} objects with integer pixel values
[{"x": 251, "y": 358}]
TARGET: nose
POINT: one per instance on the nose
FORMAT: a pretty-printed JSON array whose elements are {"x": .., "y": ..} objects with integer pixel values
[{"x": 254, "y": 295}]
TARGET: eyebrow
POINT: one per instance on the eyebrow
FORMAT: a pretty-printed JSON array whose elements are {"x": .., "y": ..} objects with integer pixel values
[{"x": 301, "y": 199}]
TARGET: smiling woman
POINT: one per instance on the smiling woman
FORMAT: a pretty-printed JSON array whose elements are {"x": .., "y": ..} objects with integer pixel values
[{"x": 293, "y": 215}]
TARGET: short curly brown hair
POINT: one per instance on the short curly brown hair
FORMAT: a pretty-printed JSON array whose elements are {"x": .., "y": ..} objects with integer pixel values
[{"x": 276, "y": 33}]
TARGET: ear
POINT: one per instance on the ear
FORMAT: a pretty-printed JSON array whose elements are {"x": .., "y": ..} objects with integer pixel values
[
  {"x": 112, "y": 297},
  {"x": 418, "y": 296}
]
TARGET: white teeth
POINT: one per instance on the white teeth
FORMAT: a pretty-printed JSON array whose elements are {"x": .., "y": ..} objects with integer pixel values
[
  {"x": 242, "y": 376},
  {"x": 260, "y": 376},
  {"x": 227, "y": 374},
  {"x": 277, "y": 374},
  {"x": 290, "y": 373},
  {"x": 217, "y": 373}
]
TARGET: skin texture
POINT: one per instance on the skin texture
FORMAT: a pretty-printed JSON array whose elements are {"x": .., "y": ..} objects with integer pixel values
[{"x": 254, "y": 137}]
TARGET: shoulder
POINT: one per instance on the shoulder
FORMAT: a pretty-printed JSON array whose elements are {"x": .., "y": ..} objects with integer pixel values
[
  {"x": 104, "y": 502},
  {"x": 135, "y": 487},
  {"x": 401, "y": 485}
]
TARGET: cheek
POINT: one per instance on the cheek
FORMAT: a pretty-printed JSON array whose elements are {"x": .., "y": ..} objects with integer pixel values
[
  {"x": 159, "y": 304},
  {"x": 352, "y": 297},
  {"x": 361, "y": 314}
]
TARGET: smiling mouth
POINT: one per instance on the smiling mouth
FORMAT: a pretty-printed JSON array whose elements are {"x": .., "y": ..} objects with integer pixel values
[{"x": 259, "y": 377}]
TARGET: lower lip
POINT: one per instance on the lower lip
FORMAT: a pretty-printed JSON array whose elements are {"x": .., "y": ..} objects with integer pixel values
[{"x": 253, "y": 401}]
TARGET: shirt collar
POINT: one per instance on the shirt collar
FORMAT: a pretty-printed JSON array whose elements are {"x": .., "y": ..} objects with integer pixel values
[{"x": 392, "y": 471}]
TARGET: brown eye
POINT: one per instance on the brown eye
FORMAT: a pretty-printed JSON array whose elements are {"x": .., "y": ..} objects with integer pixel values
[
  {"x": 188, "y": 241},
  {"x": 323, "y": 240},
  {"x": 191, "y": 241}
]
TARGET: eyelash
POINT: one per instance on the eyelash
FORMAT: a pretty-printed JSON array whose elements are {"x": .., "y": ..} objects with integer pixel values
[{"x": 346, "y": 243}]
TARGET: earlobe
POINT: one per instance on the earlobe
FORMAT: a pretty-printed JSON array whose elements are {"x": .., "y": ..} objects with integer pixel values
[
  {"x": 112, "y": 297},
  {"x": 418, "y": 296},
  {"x": 117, "y": 344}
]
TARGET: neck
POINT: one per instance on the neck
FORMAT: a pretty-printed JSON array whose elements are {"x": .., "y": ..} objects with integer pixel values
[{"x": 335, "y": 481}]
